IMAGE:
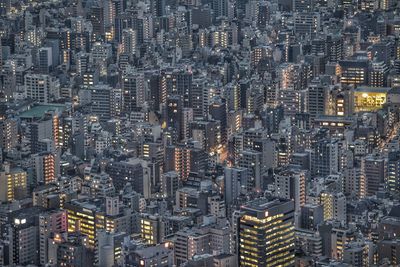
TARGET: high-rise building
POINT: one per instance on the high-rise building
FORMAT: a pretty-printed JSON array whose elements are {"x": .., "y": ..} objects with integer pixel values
[
  {"x": 378, "y": 73},
  {"x": 71, "y": 249},
  {"x": 207, "y": 133},
  {"x": 109, "y": 249},
  {"x": 303, "y": 5},
  {"x": 123, "y": 172},
  {"x": 373, "y": 168},
  {"x": 311, "y": 216},
  {"x": 100, "y": 99},
  {"x": 317, "y": 99},
  {"x": 41, "y": 87},
  {"x": 23, "y": 235},
  {"x": 187, "y": 120},
  {"x": 129, "y": 42},
  {"x": 85, "y": 217},
  {"x": 185, "y": 159},
  {"x": 266, "y": 233},
  {"x": 354, "y": 72},
  {"x": 46, "y": 167},
  {"x": 13, "y": 184},
  {"x": 217, "y": 112},
  {"x": 235, "y": 181},
  {"x": 259, "y": 53},
  {"x": 291, "y": 184},
  {"x": 334, "y": 205},
  {"x": 392, "y": 180},
  {"x": 170, "y": 184},
  {"x": 220, "y": 8},
  {"x": 307, "y": 23},
  {"x": 8, "y": 134},
  {"x": 133, "y": 90},
  {"x": 179, "y": 82},
  {"x": 198, "y": 98},
  {"x": 325, "y": 157},
  {"x": 251, "y": 160},
  {"x": 157, "y": 8},
  {"x": 97, "y": 19},
  {"x": 151, "y": 229},
  {"x": 50, "y": 222},
  {"x": 174, "y": 118},
  {"x": 82, "y": 60},
  {"x": 334, "y": 45},
  {"x": 45, "y": 60},
  {"x": 357, "y": 254}
]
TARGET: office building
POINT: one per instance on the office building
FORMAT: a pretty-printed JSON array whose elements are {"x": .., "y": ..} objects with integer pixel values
[{"x": 266, "y": 233}]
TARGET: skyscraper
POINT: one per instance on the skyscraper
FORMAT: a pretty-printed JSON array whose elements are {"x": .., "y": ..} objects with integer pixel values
[{"x": 266, "y": 233}]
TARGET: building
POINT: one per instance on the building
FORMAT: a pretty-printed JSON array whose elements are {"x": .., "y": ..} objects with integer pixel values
[
  {"x": 235, "y": 184},
  {"x": 151, "y": 229},
  {"x": 373, "y": 168},
  {"x": 325, "y": 157},
  {"x": 392, "y": 181},
  {"x": 354, "y": 72},
  {"x": 100, "y": 97},
  {"x": 186, "y": 159},
  {"x": 133, "y": 90},
  {"x": 170, "y": 184},
  {"x": 214, "y": 238},
  {"x": 309, "y": 242},
  {"x": 46, "y": 167},
  {"x": 357, "y": 254},
  {"x": 291, "y": 184},
  {"x": 311, "y": 215},
  {"x": 378, "y": 74},
  {"x": 334, "y": 206},
  {"x": 8, "y": 134},
  {"x": 109, "y": 249},
  {"x": 70, "y": 250},
  {"x": 174, "y": 116},
  {"x": 307, "y": 23},
  {"x": 129, "y": 42},
  {"x": 50, "y": 223},
  {"x": 124, "y": 172},
  {"x": 370, "y": 98},
  {"x": 266, "y": 233},
  {"x": 41, "y": 87},
  {"x": 251, "y": 160},
  {"x": 317, "y": 99},
  {"x": 14, "y": 184},
  {"x": 159, "y": 255},
  {"x": 23, "y": 235},
  {"x": 207, "y": 133}
]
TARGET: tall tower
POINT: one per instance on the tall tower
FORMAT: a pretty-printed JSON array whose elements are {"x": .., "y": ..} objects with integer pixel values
[{"x": 266, "y": 233}]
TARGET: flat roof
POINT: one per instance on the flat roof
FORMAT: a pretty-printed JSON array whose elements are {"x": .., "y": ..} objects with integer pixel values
[
  {"x": 39, "y": 110},
  {"x": 334, "y": 118},
  {"x": 372, "y": 89},
  {"x": 262, "y": 204}
]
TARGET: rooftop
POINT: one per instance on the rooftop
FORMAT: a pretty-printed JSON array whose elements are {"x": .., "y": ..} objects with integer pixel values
[
  {"x": 39, "y": 110},
  {"x": 367, "y": 89}
]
